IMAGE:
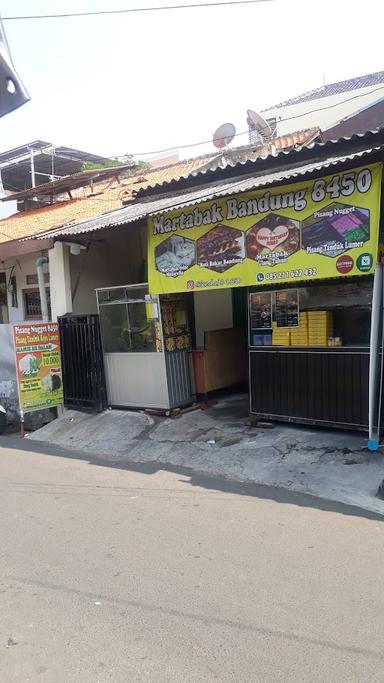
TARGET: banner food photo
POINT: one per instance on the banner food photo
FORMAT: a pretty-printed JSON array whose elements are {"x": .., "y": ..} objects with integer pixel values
[
  {"x": 38, "y": 366},
  {"x": 320, "y": 228}
]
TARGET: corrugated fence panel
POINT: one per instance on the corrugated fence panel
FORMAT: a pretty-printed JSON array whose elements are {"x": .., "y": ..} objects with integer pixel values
[{"x": 179, "y": 375}]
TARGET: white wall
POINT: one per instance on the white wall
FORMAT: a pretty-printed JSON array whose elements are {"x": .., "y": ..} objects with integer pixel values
[
  {"x": 8, "y": 384},
  {"x": 7, "y": 208},
  {"x": 22, "y": 266},
  {"x": 115, "y": 260},
  {"x": 213, "y": 311},
  {"x": 325, "y": 111},
  {"x": 60, "y": 280},
  {"x": 88, "y": 270}
]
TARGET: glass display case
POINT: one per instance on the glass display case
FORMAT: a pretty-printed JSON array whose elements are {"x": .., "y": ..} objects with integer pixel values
[
  {"x": 321, "y": 315},
  {"x": 146, "y": 346},
  {"x": 129, "y": 320}
]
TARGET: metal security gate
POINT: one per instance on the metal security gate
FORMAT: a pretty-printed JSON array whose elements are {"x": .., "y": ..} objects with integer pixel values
[
  {"x": 83, "y": 363},
  {"x": 323, "y": 386}
]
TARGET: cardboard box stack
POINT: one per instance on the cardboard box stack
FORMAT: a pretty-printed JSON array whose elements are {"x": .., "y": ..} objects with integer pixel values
[
  {"x": 281, "y": 336},
  {"x": 299, "y": 335},
  {"x": 320, "y": 327}
]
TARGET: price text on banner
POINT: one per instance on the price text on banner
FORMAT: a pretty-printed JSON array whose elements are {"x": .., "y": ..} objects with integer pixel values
[{"x": 38, "y": 365}]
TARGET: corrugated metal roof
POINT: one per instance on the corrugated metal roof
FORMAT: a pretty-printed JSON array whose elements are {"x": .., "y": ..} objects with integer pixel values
[
  {"x": 140, "y": 210},
  {"x": 70, "y": 182},
  {"x": 108, "y": 197},
  {"x": 238, "y": 156},
  {"x": 369, "y": 139},
  {"x": 41, "y": 145},
  {"x": 49, "y": 160},
  {"x": 326, "y": 112},
  {"x": 334, "y": 89}
]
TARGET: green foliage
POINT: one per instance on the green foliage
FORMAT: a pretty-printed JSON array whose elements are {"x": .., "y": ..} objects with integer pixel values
[
  {"x": 91, "y": 166},
  {"x": 124, "y": 160}
]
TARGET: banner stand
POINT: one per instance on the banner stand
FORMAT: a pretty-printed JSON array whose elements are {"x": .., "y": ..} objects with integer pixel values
[{"x": 38, "y": 367}]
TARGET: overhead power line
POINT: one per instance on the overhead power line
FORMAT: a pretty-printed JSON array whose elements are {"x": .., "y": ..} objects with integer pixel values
[
  {"x": 132, "y": 10},
  {"x": 245, "y": 132}
]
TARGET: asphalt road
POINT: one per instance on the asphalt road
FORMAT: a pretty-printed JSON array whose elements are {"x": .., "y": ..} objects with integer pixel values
[{"x": 117, "y": 575}]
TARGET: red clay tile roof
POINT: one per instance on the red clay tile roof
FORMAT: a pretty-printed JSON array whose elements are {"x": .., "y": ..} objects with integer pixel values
[
  {"x": 107, "y": 197},
  {"x": 110, "y": 194}
]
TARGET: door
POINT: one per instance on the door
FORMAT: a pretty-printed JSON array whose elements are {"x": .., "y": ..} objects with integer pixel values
[{"x": 83, "y": 363}]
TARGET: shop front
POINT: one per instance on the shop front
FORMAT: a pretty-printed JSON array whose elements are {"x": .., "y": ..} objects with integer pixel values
[
  {"x": 147, "y": 347},
  {"x": 306, "y": 253},
  {"x": 309, "y": 352},
  {"x": 160, "y": 351}
]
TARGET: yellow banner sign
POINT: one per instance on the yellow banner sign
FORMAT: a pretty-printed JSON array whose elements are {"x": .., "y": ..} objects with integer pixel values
[{"x": 322, "y": 228}]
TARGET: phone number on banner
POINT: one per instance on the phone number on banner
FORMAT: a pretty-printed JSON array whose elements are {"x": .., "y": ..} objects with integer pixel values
[{"x": 285, "y": 274}]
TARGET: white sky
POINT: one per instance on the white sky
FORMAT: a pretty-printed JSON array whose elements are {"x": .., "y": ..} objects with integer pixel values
[{"x": 141, "y": 82}]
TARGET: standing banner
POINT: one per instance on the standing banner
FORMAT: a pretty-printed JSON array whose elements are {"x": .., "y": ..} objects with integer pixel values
[
  {"x": 320, "y": 228},
  {"x": 38, "y": 366}
]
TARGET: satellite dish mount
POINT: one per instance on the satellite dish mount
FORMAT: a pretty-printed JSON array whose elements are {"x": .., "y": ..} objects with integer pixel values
[
  {"x": 259, "y": 128},
  {"x": 224, "y": 135}
]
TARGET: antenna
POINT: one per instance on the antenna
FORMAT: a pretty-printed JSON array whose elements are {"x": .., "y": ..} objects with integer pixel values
[
  {"x": 224, "y": 135},
  {"x": 258, "y": 125}
]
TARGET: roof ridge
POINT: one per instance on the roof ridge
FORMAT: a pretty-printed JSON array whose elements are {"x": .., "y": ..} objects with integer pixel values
[{"x": 323, "y": 90}]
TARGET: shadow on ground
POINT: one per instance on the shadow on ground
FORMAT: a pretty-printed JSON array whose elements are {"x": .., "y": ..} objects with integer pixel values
[{"x": 212, "y": 483}]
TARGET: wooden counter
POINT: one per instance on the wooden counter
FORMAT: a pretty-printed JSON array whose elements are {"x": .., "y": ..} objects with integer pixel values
[{"x": 223, "y": 361}]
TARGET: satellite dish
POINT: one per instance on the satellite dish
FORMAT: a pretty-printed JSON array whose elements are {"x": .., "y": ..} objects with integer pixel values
[
  {"x": 259, "y": 123},
  {"x": 223, "y": 135}
]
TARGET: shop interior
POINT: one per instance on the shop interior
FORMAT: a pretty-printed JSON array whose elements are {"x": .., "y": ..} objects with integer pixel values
[
  {"x": 308, "y": 348},
  {"x": 337, "y": 313},
  {"x": 164, "y": 351}
]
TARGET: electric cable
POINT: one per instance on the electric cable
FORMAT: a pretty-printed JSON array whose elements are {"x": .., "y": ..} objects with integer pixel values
[
  {"x": 200, "y": 5},
  {"x": 288, "y": 118}
]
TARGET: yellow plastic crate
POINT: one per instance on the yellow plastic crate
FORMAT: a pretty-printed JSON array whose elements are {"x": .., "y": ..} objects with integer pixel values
[
  {"x": 302, "y": 341},
  {"x": 319, "y": 315},
  {"x": 281, "y": 337},
  {"x": 319, "y": 331}
]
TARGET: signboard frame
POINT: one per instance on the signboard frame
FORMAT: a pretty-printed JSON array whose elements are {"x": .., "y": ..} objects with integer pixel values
[
  {"x": 311, "y": 230},
  {"x": 38, "y": 366}
]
